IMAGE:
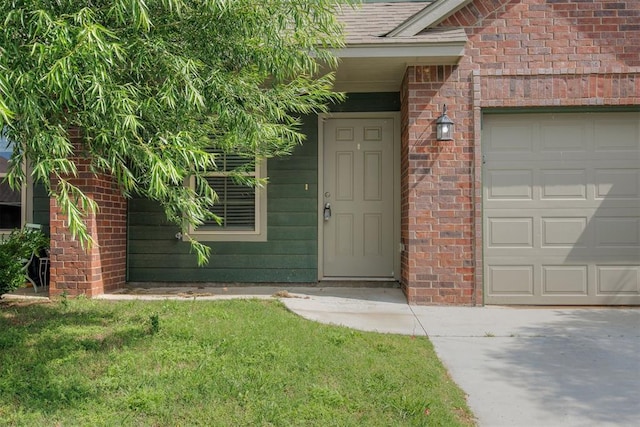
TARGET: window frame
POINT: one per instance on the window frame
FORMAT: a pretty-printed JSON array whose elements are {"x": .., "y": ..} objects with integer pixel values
[
  {"x": 258, "y": 234},
  {"x": 26, "y": 194}
]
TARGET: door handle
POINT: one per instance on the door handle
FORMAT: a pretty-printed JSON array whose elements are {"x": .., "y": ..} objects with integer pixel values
[{"x": 327, "y": 211}]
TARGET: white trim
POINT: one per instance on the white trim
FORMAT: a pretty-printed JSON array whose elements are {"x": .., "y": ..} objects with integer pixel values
[
  {"x": 26, "y": 200},
  {"x": 379, "y": 74},
  {"x": 257, "y": 235},
  {"x": 451, "y": 50},
  {"x": 431, "y": 15},
  {"x": 396, "y": 116}
]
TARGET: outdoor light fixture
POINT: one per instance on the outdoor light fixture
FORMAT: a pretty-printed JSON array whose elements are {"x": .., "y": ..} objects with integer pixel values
[{"x": 444, "y": 127}]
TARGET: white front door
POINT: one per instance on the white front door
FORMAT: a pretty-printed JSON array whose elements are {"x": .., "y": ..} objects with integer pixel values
[{"x": 358, "y": 198}]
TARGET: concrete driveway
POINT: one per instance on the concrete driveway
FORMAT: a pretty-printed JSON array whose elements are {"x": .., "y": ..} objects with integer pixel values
[{"x": 519, "y": 366}]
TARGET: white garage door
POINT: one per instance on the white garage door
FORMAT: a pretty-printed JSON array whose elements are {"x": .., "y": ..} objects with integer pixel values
[{"x": 561, "y": 203}]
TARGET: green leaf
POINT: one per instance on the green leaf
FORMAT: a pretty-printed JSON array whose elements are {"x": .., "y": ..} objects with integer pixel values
[{"x": 152, "y": 86}]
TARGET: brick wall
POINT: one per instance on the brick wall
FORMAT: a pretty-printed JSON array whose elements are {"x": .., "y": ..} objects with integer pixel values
[
  {"x": 437, "y": 202},
  {"x": 521, "y": 53},
  {"x": 102, "y": 267}
]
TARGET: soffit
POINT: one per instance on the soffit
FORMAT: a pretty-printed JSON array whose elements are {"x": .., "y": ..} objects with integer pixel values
[{"x": 373, "y": 60}]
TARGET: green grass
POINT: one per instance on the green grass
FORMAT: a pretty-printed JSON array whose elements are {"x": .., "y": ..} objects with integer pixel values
[{"x": 242, "y": 362}]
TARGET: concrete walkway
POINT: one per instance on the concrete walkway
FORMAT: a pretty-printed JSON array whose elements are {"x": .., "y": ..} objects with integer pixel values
[{"x": 518, "y": 366}]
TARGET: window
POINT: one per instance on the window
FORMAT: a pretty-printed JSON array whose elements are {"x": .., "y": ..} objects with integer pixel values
[
  {"x": 243, "y": 208},
  {"x": 12, "y": 202}
]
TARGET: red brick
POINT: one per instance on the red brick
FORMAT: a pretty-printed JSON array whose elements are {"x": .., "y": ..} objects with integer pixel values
[
  {"x": 102, "y": 267},
  {"x": 527, "y": 53}
]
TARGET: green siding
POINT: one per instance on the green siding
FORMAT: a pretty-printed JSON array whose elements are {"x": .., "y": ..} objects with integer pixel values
[
  {"x": 369, "y": 102},
  {"x": 41, "y": 207},
  {"x": 291, "y": 252}
]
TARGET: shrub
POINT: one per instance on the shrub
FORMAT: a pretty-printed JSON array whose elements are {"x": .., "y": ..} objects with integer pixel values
[{"x": 15, "y": 250}]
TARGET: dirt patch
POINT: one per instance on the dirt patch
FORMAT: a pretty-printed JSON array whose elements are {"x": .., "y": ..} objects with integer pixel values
[
  {"x": 192, "y": 294},
  {"x": 286, "y": 294},
  {"x": 7, "y": 304}
]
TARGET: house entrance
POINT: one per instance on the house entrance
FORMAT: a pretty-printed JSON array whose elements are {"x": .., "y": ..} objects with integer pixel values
[{"x": 357, "y": 194}]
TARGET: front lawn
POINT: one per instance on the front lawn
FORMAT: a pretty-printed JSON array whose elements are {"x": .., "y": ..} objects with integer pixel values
[{"x": 225, "y": 363}]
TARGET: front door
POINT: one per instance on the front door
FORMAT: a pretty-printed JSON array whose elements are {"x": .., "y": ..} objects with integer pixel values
[{"x": 358, "y": 199}]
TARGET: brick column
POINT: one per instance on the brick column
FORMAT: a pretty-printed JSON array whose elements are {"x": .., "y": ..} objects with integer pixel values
[
  {"x": 101, "y": 268},
  {"x": 437, "y": 190}
]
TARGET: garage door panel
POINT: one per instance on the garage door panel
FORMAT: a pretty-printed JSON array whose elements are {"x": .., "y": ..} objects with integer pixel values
[
  {"x": 510, "y": 232},
  {"x": 617, "y": 231},
  {"x": 510, "y": 184},
  {"x": 511, "y": 279},
  {"x": 617, "y": 183},
  {"x": 575, "y": 137},
  {"x": 616, "y": 135},
  {"x": 562, "y": 209},
  {"x": 563, "y": 184},
  {"x": 564, "y": 231},
  {"x": 511, "y": 138},
  {"x": 618, "y": 279},
  {"x": 564, "y": 280}
]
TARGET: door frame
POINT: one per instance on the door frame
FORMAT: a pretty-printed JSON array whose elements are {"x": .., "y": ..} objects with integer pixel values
[{"x": 395, "y": 116}]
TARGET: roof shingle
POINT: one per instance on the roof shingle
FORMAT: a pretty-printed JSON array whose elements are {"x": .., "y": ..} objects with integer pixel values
[{"x": 370, "y": 22}]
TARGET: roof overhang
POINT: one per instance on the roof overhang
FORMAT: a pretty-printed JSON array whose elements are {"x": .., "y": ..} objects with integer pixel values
[{"x": 380, "y": 67}]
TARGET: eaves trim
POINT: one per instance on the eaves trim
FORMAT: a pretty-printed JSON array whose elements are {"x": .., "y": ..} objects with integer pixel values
[{"x": 395, "y": 50}]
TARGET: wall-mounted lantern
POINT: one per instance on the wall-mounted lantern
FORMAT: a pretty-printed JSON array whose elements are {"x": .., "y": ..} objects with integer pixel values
[{"x": 444, "y": 127}]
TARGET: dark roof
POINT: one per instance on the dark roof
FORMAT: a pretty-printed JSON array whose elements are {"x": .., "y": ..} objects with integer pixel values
[
  {"x": 369, "y": 24},
  {"x": 4, "y": 165},
  {"x": 374, "y": 20},
  {"x": 8, "y": 196}
]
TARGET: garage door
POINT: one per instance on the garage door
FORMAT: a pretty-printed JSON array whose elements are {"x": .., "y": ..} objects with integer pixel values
[{"x": 561, "y": 208}]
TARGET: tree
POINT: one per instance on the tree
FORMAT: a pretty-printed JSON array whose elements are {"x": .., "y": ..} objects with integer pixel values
[{"x": 157, "y": 89}]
